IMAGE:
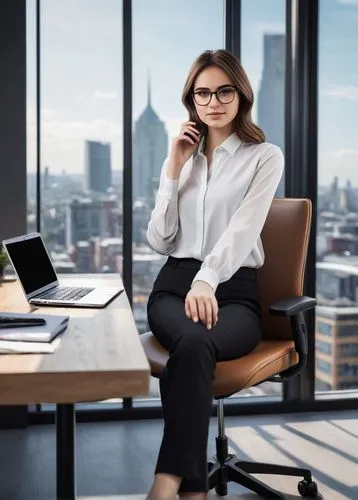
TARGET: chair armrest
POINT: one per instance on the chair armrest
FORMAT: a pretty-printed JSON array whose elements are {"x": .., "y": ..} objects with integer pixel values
[
  {"x": 294, "y": 308},
  {"x": 289, "y": 306}
]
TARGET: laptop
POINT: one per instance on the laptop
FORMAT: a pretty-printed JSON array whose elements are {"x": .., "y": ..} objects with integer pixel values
[{"x": 39, "y": 281}]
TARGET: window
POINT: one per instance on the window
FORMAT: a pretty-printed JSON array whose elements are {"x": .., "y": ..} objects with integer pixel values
[
  {"x": 328, "y": 285},
  {"x": 323, "y": 347},
  {"x": 323, "y": 386},
  {"x": 348, "y": 330},
  {"x": 263, "y": 46},
  {"x": 158, "y": 44},
  {"x": 324, "y": 366},
  {"x": 263, "y": 42},
  {"x": 347, "y": 385},
  {"x": 337, "y": 166},
  {"x": 324, "y": 328},
  {"x": 347, "y": 350},
  {"x": 347, "y": 370},
  {"x": 81, "y": 138}
]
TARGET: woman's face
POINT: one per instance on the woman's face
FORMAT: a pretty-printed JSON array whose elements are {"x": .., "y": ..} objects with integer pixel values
[{"x": 215, "y": 114}]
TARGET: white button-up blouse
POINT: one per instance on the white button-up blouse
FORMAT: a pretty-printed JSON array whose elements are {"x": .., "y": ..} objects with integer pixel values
[{"x": 216, "y": 215}]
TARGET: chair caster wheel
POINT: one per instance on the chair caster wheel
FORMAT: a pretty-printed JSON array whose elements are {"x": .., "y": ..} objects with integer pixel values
[
  {"x": 221, "y": 489},
  {"x": 307, "y": 489}
]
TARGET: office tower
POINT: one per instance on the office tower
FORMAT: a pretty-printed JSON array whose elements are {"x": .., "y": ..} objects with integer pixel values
[
  {"x": 336, "y": 348},
  {"x": 87, "y": 218},
  {"x": 271, "y": 95},
  {"x": 337, "y": 323},
  {"x": 150, "y": 147},
  {"x": 46, "y": 178},
  {"x": 98, "y": 166}
]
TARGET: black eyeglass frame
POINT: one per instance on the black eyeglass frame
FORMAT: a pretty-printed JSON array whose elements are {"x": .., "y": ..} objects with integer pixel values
[{"x": 231, "y": 87}]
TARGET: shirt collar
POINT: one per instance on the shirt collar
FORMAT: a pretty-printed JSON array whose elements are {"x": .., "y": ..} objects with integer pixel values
[{"x": 230, "y": 145}]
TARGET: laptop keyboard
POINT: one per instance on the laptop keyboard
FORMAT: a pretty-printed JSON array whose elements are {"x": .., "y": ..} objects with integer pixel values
[{"x": 67, "y": 293}]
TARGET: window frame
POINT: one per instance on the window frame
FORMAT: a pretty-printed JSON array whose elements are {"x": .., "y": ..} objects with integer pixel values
[{"x": 300, "y": 181}]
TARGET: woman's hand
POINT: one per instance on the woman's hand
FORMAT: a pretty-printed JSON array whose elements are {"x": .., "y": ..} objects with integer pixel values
[
  {"x": 183, "y": 147},
  {"x": 201, "y": 303}
]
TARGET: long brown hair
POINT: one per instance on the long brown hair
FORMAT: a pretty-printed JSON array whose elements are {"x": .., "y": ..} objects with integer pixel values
[{"x": 230, "y": 64}]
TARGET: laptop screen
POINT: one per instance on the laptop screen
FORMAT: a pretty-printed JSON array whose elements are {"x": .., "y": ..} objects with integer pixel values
[{"x": 32, "y": 263}]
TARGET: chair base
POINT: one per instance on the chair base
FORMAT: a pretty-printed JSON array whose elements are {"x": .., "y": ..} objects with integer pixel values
[{"x": 226, "y": 467}]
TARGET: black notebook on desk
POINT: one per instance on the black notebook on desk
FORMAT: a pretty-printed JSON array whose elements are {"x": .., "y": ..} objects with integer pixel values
[{"x": 54, "y": 325}]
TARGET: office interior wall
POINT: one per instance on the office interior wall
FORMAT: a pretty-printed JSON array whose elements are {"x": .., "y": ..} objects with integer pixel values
[
  {"x": 12, "y": 142},
  {"x": 12, "y": 118}
]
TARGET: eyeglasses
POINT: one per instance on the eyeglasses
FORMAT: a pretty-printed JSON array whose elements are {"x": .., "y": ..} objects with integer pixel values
[{"x": 225, "y": 95}]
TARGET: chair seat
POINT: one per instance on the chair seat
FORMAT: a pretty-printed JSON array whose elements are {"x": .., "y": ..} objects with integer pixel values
[{"x": 270, "y": 357}]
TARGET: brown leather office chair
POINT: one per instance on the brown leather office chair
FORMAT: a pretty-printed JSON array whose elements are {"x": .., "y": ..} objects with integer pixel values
[{"x": 282, "y": 352}]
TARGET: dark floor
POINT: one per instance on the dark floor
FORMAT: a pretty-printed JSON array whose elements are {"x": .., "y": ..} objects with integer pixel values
[{"x": 115, "y": 461}]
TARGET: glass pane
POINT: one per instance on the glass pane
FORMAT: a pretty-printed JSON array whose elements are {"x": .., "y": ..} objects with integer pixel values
[
  {"x": 162, "y": 57},
  {"x": 81, "y": 137},
  {"x": 263, "y": 45},
  {"x": 31, "y": 152},
  {"x": 337, "y": 224}
]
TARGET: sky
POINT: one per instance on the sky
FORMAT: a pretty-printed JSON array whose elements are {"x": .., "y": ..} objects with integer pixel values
[{"x": 81, "y": 72}]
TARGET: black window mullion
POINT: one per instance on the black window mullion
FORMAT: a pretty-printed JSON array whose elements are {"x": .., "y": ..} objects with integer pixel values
[
  {"x": 127, "y": 158},
  {"x": 301, "y": 151},
  {"x": 38, "y": 115},
  {"x": 233, "y": 26},
  {"x": 127, "y": 148},
  {"x": 13, "y": 135}
]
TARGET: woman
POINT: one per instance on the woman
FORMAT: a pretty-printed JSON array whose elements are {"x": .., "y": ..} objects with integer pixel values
[{"x": 215, "y": 191}]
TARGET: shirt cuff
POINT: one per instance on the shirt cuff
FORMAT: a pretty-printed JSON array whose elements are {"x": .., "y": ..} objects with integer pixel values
[
  {"x": 169, "y": 187},
  {"x": 209, "y": 276}
]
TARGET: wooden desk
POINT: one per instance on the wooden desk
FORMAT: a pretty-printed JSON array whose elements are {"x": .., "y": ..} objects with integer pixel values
[{"x": 99, "y": 357}]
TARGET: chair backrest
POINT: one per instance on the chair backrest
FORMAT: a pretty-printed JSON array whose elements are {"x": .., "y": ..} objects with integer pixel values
[{"x": 285, "y": 239}]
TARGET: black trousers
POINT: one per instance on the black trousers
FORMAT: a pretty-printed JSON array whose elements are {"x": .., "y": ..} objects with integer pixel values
[{"x": 186, "y": 382}]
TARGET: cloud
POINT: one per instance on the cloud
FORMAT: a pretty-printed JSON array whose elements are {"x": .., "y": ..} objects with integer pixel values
[
  {"x": 100, "y": 94},
  {"x": 98, "y": 129},
  {"x": 63, "y": 141},
  {"x": 269, "y": 27},
  {"x": 342, "y": 162},
  {"x": 353, "y": 3},
  {"x": 346, "y": 153},
  {"x": 345, "y": 162},
  {"x": 348, "y": 92},
  {"x": 173, "y": 125},
  {"x": 48, "y": 114}
]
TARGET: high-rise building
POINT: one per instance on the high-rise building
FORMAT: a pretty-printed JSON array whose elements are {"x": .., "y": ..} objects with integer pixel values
[
  {"x": 336, "y": 348},
  {"x": 150, "y": 147},
  {"x": 337, "y": 325},
  {"x": 98, "y": 166},
  {"x": 88, "y": 218},
  {"x": 46, "y": 178},
  {"x": 271, "y": 95}
]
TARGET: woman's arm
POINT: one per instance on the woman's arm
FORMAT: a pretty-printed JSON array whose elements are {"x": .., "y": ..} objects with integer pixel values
[
  {"x": 244, "y": 229},
  {"x": 164, "y": 221}
]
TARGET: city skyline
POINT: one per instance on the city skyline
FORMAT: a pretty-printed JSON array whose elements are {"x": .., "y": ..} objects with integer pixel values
[{"x": 87, "y": 106}]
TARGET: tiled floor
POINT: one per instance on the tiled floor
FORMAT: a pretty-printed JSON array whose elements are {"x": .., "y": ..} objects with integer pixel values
[{"x": 115, "y": 460}]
